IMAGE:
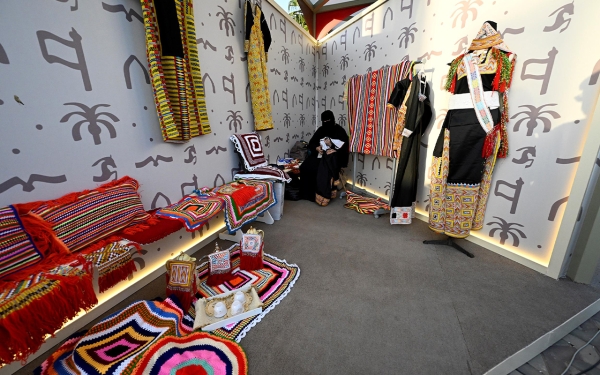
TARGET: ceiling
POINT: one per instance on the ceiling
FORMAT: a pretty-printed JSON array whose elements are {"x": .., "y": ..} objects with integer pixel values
[{"x": 320, "y": 6}]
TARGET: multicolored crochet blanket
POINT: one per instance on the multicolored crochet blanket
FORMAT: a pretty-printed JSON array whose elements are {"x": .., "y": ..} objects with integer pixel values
[
  {"x": 148, "y": 337},
  {"x": 193, "y": 211},
  {"x": 273, "y": 283},
  {"x": 244, "y": 200},
  {"x": 364, "y": 205},
  {"x": 114, "y": 263}
]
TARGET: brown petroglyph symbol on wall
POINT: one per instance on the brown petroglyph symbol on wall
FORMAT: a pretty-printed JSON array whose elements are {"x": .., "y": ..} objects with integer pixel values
[
  {"x": 154, "y": 160},
  {"x": 127, "y": 71},
  {"x": 369, "y": 23},
  {"x": 407, "y": 34},
  {"x": 545, "y": 78},
  {"x": 141, "y": 263},
  {"x": 105, "y": 163},
  {"x": 283, "y": 28},
  {"x": 533, "y": 115},
  {"x": 275, "y": 94},
  {"x": 285, "y": 75},
  {"x": 391, "y": 12},
  {"x": 341, "y": 101},
  {"x": 407, "y": 5},
  {"x": 572, "y": 160},
  {"x": 361, "y": 178},
  {"x": 300, "y": 41},
  {"x": 28, "y": 185},
  {"x": 325, "y": 69},
  {"x": 376, "y": 159},
  {"x": 93, "y": 120},
  {"x": 235, "y": 120},
  {"x": 226, "y": 21},
  {"x": 276, "y": 71},
  {"x": 342, "y": 119},
  {"x": 206, "y": 78},
  {"x": 334, "y": 44},
  {"x": 218, "y": 181},
  {"x": 314, "y": 71},
  {"x": 229, "y": 56},
  {"x": 387, "y": 187},
  {"x": 294, "y": 98},
  {"x": 193, "y": 184},
  {"x": 74, "y": 43},
  {"x": 3, "y": 56},
  {"x": 559, "y": 21},
  {"x": 231, "y": 81},
  {"x": 314, "y": 119},
  {"x": 343, "y": 38},
  {"x": 595, "y": 74},
  {"x": 370, "y": 51},
  {"x": 344, "y": 61},
  {"x": 508, "y": 30},
  {"x": 216, "y": 150},
  {"x": 293, "y": 37},
  {"x": 389, "y": 161},
  {"x": 155, "y": 200},
  {"x": 287, "y": 138},
  {"x": 555, "y": 206},
  {"x": 528, "y": 154},
  {"x": 361, "y": 159},
  {"x": 301, "y": 101},
  {"x": 191, "y": 158},
  {"x": 277, "y": 139},
  {"x": 506, "y": 229},
  {"x": 356, "y": 29},
  {"x": 324, "y": 102},
  {"x": 301, "y": 64},
  {"x": 285, "y": 55},
  {"x": 129, "y": 14},
  {"x": 287, "y": 120},
  {"x": 461, "y": 45},
  {"x": 332, "y": 103},
  {"x": 73, "y": 7},
  {"x": 284, "y": 97},
  {"x": 206, "y": 44},
  {"x": 439, "y": 119},
  {"x": 295, "y": 136},
  {"x": 272, "y": 26},
  {"x": 428, "y": 55},
  {"x": 514, "y": 199},
  {"x": 462, "y": 12},
  {"x": 302, "y": 120}
]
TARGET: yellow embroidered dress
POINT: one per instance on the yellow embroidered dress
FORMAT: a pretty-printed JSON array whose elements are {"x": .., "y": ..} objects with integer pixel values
[{"x": 256, "y": 45}]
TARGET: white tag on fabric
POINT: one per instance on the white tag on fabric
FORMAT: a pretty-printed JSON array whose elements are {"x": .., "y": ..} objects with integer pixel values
[{"x": 406, "y": 133}]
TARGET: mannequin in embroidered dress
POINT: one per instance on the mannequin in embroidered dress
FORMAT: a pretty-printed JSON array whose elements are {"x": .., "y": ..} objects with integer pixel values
[{"x": 473, "y": 135}]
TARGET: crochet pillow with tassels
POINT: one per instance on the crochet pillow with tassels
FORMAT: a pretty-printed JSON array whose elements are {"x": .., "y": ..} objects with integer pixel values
[
  {"x": 250, "y": 147},
  {"x": 88, "y": 220}
]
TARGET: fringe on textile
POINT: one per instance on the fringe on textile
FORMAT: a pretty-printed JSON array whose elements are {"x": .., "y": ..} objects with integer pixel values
[
  {"x": 25, "y": 328},
  {"x": 115, "y": 276}
]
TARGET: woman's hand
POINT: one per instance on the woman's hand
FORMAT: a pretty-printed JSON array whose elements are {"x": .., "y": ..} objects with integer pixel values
[
  {"x": 319, "y": 150},
  {"x": 330, "y": 151}
]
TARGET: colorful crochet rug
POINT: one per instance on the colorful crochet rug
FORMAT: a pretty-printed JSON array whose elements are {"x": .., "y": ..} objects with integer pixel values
[
  {"x": 243, "y": 208},
  {"x": 116, "y": 344},
  {"x": 364, "y": 205},
  {"x": 193, "y": 211},
  {"x": 273, "y": 282}
]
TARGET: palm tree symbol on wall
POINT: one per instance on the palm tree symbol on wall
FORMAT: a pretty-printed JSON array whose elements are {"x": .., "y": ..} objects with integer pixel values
[
  {"x": 93, "y": 120},
  {"x": 506, "y": 230},
  {"x": 325, "y": 70},
  {"x": 361, "y": 178},
  {"x": 534, "y": 114},
  {"x": 344, "y": 61},
  {"x": 408, "y": 33},
  {"x": 235, "y": 120},
  {"x": 226, "y": 21},
  {"x": 370, "y": 51},
  {"x": 462, "y": 12},
  {"x": 342, "y": 120},
  {"x": 302, "y": 119},
  {"x": 285, "y": 55},
  {"x": 287, "y": 120},
  {"x": 301, "y": 64}
]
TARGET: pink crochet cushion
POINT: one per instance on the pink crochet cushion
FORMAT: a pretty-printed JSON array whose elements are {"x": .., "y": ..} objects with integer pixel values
[{"x": 250, "y": 147}]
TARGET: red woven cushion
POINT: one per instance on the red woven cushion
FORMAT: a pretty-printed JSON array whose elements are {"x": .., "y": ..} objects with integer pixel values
[
  {"x": 17, "y": 250},
  {"x": 81, "y": 219},
  {"x": 249, "y": 146}
]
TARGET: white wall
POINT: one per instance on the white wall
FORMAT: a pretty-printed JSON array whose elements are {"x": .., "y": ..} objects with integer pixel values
[{"x": 544, "y": 150}]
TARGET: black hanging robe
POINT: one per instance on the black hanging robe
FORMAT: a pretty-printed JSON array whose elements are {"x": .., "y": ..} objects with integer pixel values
[{"x": 413, "y": 118}]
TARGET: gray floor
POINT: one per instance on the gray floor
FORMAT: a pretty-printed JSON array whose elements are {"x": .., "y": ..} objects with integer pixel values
[{"x": 372, "y": 299}]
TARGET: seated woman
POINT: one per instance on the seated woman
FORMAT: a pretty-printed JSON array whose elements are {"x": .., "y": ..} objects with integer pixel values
[{"x": 320, "y": 172}]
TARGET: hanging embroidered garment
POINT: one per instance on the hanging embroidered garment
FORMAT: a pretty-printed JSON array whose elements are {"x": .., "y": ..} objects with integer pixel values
[
  {"x": 256, "y": 45},
  {"x": 414, "y": 116},
  {"x": 370, "y": 122},
  {"x": 473, "y": 135},
  {"x": 175, "y": 69}
]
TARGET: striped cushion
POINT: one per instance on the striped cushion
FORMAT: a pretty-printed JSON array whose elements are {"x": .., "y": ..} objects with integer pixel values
[
  {"x": 17, "y": 250},
  {"x": 95, "y": 215}
]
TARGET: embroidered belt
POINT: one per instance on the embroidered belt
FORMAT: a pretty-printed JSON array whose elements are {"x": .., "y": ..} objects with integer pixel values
[{"x": 464, "y": 101}]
